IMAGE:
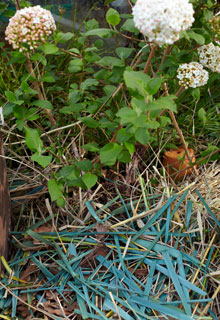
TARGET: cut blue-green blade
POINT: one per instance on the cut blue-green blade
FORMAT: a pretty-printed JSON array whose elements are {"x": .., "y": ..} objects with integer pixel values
[
  {"x": 154, "y": 217},
  {"x": 176, "y": 282},
  {"x": 208, "y": 209},
  {"x": 92, "y": 211}
]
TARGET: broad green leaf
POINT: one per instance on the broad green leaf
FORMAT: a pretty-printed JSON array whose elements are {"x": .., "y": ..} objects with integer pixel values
[
  {"x": 153, "y": 85},
  {"x": 44, "y": 104},
  {"x": 109, "y": 153},
  {"x": 124, "y": 156},
  {"x": 91, "y": 24},
  {"x": 84, "y": 165},
  {"x": 152, "y": 124},
  {"x": 162, "y": 103},
  {"x": 69, "y": 173},
  {"x": 89, "y": 122},
  {"x": 127, "y": 115},
  {"x": 124, "y": 53},
  {"x": 33, "y": 140},
  {"x": 101, "y": 32},
  {"x": 49, "y": 48},
  {"x": 142, "y": 135},
  {"x": 123, "y": 135},
  {"x": 111, "y": 61},
  {"x": 130, "y": 147},
  {"x": 113, "y": 17},
  {"x": 12, "y": 98},
  {"x": 63, "y": 37},
  {"x": 42, "y": 160},
  {"x": 74, "y": 96},
  {"x": 92, "y": 147},
  {"x": 88, "y": 83},
  {"x": 48, "y": 78},
  {"x": 136, "y": 82},
  {"x": 129, "y": 26},
  {"x": 75, "y": 65},
  {"x": 197, "y": 37},
  {"x": 55, "y": 189},
  {"x": 202, "y": 115},
  {"x": 89, "y": 179}
]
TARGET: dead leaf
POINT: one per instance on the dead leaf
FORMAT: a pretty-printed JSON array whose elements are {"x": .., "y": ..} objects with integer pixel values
[{"x": 100, "y": 227}]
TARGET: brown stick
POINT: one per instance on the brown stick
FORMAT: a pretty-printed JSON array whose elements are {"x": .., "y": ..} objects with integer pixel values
[
  {"x": 150, "y": 57},
  {"x": 182, "y": 139}
]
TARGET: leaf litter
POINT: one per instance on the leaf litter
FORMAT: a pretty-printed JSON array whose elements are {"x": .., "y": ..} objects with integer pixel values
[{"x": 142, "y": 258}]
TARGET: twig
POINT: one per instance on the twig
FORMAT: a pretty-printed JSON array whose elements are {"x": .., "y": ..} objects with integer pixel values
[
  {"x": 182, "y": 139},
  {"x": 151, "y": 55}
]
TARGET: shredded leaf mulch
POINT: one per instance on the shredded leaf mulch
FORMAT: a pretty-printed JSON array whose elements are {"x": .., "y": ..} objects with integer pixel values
[{"x": 149, "y": 258}]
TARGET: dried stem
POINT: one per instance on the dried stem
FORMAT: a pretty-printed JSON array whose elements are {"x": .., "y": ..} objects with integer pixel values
[
  {"x": 151, "y": 55},
  {"x": 182, "y": 139}
]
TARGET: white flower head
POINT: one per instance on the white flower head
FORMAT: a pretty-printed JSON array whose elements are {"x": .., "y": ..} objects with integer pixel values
[
  {"x": 29, "y": 27},
  {"x": 192, "y": 75},
  {"x": 209, "y": 57},
  {"x": 24, "y": 30},
  {"x": 36, "y": 20},
  {"x": 162, "y": 21}
]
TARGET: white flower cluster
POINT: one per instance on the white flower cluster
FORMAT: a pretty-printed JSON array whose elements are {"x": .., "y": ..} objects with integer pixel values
[
  {"x": 209, "y": 57},
  {"x": 29, "y": 27},
  {"x": 192, "y": 75},
  {"x": 163, "y": 20}
]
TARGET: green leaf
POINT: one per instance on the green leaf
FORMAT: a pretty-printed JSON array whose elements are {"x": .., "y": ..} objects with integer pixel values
[
  {"x": 41, "y": 160},
  {"x": 44, "y": 104},
  {"x": 89, "y": 122},
  {"x": 33, "y": 140},
  {"x": 127, "y": 115},
  {"x": 55, "y": 190},
  {"x": 75, "y": 65},
  {"x": 113, "y": 17},
  {"x": 123, "y": 135},
  {"x": 63, "y": 37},
  {"x": 89, "y": 179},
  {"x": 49, "y": 48},
  {"x": 136, "y": 82},
  {"x": 92, "y": 147},
  {"x": 101, "y": 32},
  {"x": 124, "y": 156},
  {"x": 12, "y": 98},
  {"x": 74, "y": 96},
  {"x": 162, "y": 103},
  {"x": 197, "y": 37},
  {"x": 20, "y": 124},
  {"x": 111, "y": 61},
  {"x": 129, "y": 26},
  {"x": 202, "y": 115},
  {"x": 84, "y": 165},
  {"x": 91, "y": 24},
  {"x": 88, "y": 83},
  {"x": 130, "y": 147},
  {"x": 153, "y": 85},
  {"x": 124, "y": 53},
  {"x": 142, "y": 135},
  {"x": 48, "y": 78},
  {"x": 109, "y": 153},
  {"x": 69, "y": 173}
]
